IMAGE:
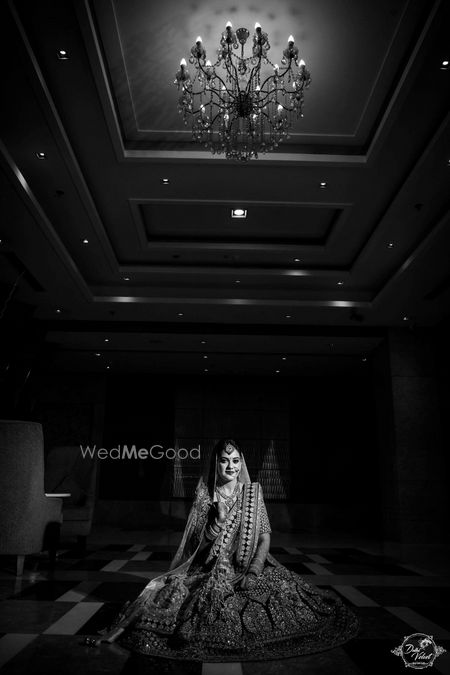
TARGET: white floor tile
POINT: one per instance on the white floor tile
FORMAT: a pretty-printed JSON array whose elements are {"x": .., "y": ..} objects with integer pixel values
[
  {"x": 355, "y": 596},
  {"x": 142, "y": 555},
  {"x": 316, "y": 568},
  {"x": 74, "y": 619},
  {"x": 78, "y": 592},
  {"x": 315, "y": 557},
  {"x": 114, "y": 566},
  {"x": 420, "y": 623}
]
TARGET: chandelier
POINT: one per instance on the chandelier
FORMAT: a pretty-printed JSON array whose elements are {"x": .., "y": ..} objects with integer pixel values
[{"x": 239, "y": 110}]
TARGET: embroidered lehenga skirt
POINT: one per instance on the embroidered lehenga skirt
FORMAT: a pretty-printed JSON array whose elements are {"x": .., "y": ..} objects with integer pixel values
[{"x": 202, "y": 615}]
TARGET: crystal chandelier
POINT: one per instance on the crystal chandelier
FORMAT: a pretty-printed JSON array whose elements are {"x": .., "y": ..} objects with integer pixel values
[{"x": 240, "y": 110}]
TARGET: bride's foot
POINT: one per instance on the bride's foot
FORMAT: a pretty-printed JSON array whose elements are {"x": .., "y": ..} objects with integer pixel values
[{"x": 107, "y": 637}]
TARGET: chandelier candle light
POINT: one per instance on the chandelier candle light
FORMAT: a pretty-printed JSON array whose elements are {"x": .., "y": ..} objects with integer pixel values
[{"x": 241, "y": 111}]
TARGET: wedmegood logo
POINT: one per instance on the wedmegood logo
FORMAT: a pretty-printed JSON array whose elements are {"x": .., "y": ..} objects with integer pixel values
[{"x": 132, "y": 452}]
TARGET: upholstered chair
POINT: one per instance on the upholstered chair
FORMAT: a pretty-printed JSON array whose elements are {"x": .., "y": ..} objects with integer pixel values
[
  {"x": 29, "y": 521},
  {"x": 66, "y": 470}
]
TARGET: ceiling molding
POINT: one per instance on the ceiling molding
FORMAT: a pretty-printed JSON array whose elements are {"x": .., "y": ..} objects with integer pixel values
[
  {"x": 63, "y": 143},
  {"x": 42, "y": 221}
]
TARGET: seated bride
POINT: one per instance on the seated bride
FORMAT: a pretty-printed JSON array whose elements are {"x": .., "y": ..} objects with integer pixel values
[{"x": 225, "y": 598}]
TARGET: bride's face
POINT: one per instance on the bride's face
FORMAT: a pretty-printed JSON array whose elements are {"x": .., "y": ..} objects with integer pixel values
[{"x": 229, "y": 466}]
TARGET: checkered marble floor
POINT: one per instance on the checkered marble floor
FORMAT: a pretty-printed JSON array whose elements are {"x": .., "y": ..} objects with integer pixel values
[{"x": 45, "y": 616}]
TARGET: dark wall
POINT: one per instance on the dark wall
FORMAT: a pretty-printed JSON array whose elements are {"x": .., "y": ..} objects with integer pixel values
[
  {"x": 331, "y": 433},
  {"x": 140, "y": 411}
]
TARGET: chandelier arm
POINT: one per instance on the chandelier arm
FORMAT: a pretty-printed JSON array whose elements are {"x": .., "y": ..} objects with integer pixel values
[
  {"x": 214, "y": 89},
  {"x": 214, "y": 119},
  {"x": 256, "y": 67},
  {"x": 217, "y": 91},
  {"x": 267, "y": 117},
  {"x": 289, "y": 68},
  {"x": 236, "y": 76},
  {"x": 269, "y": 77},
  {"x": 266, "y": 99}
]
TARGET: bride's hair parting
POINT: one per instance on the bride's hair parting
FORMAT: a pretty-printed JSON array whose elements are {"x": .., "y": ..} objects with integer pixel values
[{"x": 222, "y": 444}]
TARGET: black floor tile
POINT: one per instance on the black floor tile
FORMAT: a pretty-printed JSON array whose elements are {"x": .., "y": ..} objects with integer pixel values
[
  {"x": 161, "y": 555},
  {"x": 29, "y": 616},
  {"x": 298, "y": 568},
  {"x": 439, "y": 615},
  {"x": 407, "y": 596},
  {"x": 75, "y": 553},
  {"x": 45, "y": 590},
  {"x": 363, "y": 568},
  {"x": 66, "y": 655},
  {"x": 91, "y": 564},
  {"x": 111, "y": 591},
  {"x": 379, "y": 624},
  {"x": 102, "y": 619},
  {"x": 374, "y": 657},
  {"x": 278, "y": 549},
  {"x": 152, "y": 665}
]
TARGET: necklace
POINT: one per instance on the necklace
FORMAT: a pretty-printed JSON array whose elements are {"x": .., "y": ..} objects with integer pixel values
[{"x": 228, "y": 499}]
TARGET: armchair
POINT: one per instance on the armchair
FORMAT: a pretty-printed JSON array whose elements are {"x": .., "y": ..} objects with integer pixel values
[
  {"x": 66, "y": 470},
  {"x": 29, "y": 521}
]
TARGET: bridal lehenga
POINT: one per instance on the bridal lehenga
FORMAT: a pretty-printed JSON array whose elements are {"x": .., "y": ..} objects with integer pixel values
[{"x": 199, "y": 611}]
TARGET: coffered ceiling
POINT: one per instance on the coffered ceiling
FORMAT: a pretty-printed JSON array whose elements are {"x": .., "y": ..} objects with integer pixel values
[{"x": 347, "y": 228}]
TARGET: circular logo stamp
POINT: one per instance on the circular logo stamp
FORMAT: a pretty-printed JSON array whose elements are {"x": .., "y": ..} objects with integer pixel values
[{"x": 418, "y": 651}]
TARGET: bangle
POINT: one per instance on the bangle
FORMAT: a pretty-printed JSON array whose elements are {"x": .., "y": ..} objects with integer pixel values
[{"x": 213, "y": 530}]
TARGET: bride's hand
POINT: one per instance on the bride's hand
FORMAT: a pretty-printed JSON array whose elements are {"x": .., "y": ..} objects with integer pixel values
[
  {"x": 248, "y": 581},
  {"x": 222, "y": 512}
]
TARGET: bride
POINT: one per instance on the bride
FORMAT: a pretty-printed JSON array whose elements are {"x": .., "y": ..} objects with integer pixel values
[{"x": 225, "y": 598}]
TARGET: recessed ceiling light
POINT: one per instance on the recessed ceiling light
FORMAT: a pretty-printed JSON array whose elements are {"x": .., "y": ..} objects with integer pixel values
[
  {"x": 340, "y": 283},
  {"x": 277, "y": 371},
  {"x": 165, "y": 181},
  {"x": 205, "y": 357},
  {"x": 288, "y": 316},
  {"x": 406, "y": 318},
  {"x": 41, "y": 155},
  {"x": 445, "y": 65},
  {"x": 180, "y": 314},
  {"x": 106, "y": 340},
  {"x": 203, "y": 342},
  {"x": 97, "y": 354},
  {"x": 323, "y": 184},
  {"x": 205, "y": 370},
  {"x": 238, "y": 281},
  {"x": 85, "y": 241},
  {"x": 364, "y": 359},
  {"x": 296, "y": 259},
  {"x": 58, "y": 311},
  {"x": 63, "y": 54},
  {"x": 126, "y": 278},
  {"x": 283, "y": 358},
  {"x": 108, "y": 367},
  {"x": 239, "y": 213},
  {"x": 390, "y": 244}
]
